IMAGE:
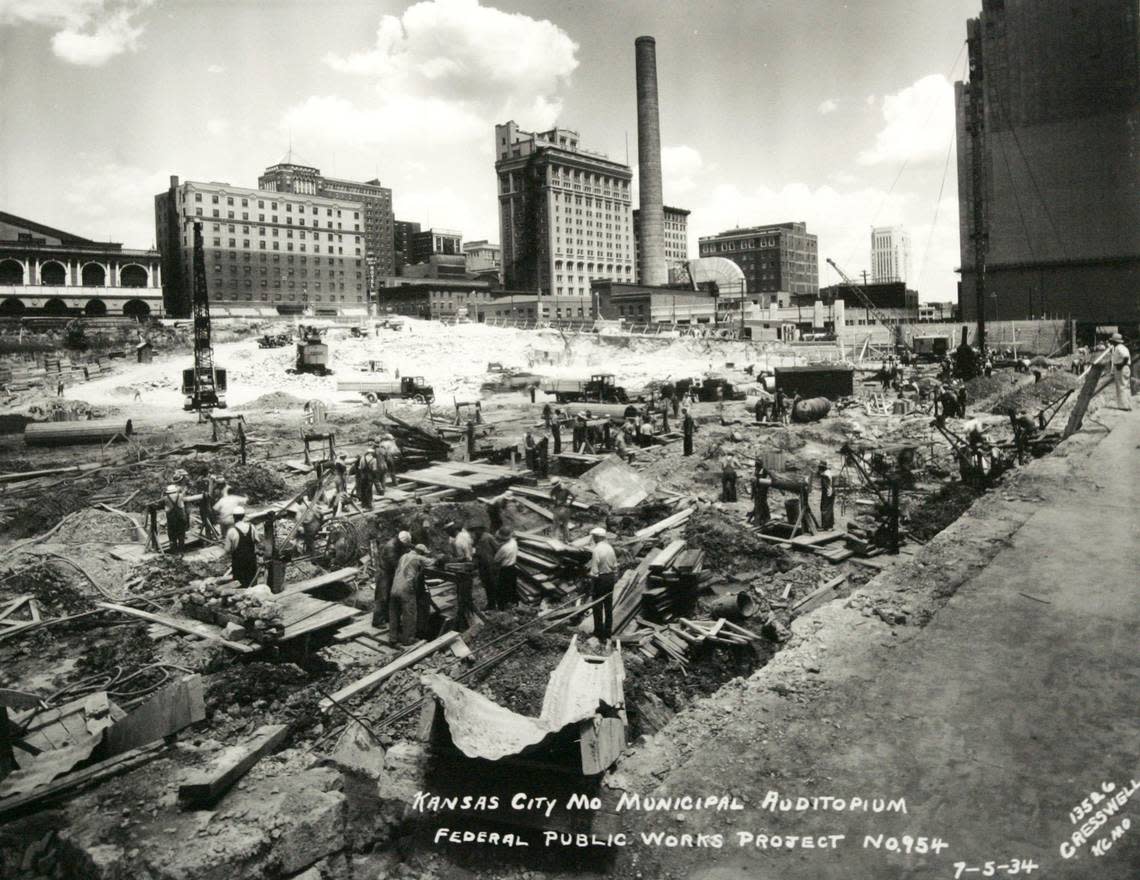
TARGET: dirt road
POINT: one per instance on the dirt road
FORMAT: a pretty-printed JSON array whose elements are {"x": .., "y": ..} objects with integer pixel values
[{"x": 993, "y": 722}]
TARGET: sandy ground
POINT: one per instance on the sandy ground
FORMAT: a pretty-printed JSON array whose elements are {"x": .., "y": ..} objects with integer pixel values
[{"x": 452, "y": 359}]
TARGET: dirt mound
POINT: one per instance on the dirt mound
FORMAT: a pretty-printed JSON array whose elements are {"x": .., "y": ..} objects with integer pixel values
[
  {"x": 1032, "y": 397},
  {"x": 274, "y": 400},
  {"x": 33, "y": 516},
  {"x": 93, "y": 526},
  {"x": 51, "y": 583},
  {"x": 937, "y": 510},
  {"x": 728, "y": 545},
  {"x": 983, "y": 387},
  {"x": 255, "y": 482}
]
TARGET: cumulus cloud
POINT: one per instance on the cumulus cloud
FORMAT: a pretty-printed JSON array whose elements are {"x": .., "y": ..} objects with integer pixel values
[
  {"x": 918, "y": 123},
  {"x": 450, "y": 68},
  {"x": 87, "y": 32},
  {"x": 828, "y": 106},
  {"x": 216, "y": 68}
]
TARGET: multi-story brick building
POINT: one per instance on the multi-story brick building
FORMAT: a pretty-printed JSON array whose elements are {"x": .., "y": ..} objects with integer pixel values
[
  {"x": 783, "y": 257},
  {"x": 402, "y": 232},
  {"x": 564, "y": 212},
  {"x": 435, "y": 242},
  {"x": 676, "y": 239},
  {"x": 1058, "y": 160},
  {"x": 483, "y": 256},
  {"x": 266, "y": 252},
  {"x": 376, "y": 202}
]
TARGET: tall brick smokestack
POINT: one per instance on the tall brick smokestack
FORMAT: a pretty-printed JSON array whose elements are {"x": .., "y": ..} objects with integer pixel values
[{"x": 651, "y": 241}]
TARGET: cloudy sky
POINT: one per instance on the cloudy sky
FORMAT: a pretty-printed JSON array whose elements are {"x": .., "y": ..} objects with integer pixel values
[{"x": 839, "y": 114}]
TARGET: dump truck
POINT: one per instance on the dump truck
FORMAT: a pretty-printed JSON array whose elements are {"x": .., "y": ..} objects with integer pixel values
[
  {"x": 599, "y": 388},
  {"x": 406, "y": 388}
]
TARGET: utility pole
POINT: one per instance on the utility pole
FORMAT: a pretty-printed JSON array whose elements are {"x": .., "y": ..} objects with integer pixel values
[{"x": 975, "y": 125}]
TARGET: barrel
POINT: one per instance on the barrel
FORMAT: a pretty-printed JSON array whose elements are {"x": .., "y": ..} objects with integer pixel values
[
  {"x": 69, "y": 433},
  {"x": 735, "y": 606},
  {"x": 811, "y": 410},
  {"x": 792, "y": 509}
]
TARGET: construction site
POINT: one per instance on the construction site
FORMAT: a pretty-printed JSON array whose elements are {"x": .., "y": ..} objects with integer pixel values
[
  {"x": 331, "y": 596},
  {"x": 161, "y": 721}
]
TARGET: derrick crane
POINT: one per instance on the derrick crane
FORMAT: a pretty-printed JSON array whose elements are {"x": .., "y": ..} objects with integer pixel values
[
  {"x": 203, "y": 385},
  {"x": 871, "y": 308}
]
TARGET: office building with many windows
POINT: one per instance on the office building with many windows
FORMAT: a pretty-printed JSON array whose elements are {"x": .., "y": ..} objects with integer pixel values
[
  {"x": 266, "y": 252},
  {"x": 783, "y": 257},
  {"x": 564, "y": 213},
  {"x": 376, "y": 203},
  {"x": 890, "y": 254}
]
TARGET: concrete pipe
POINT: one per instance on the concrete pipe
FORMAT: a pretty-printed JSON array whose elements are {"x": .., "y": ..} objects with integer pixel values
[
  {"x": 69, "y": 433},
  {"x": 811, "y": 410},
  {"x": 736, "y": 606}
]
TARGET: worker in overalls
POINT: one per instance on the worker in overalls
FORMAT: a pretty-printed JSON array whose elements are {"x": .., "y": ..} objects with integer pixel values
[
  {"x": 409, "y": 607},
  {"x": 561, "y": 498},
  {"x": 241, "y": 545},
  {"x": 366, "y": 466},
  {"x": 728, "y": 481},
  {"x": 1024, "y": 430},
  {"x": 177, "y": 517},
  {"x": 387, "y": 563},
  {"x": 826, "y": 497},
  {"x": 761, "y": 483},
  {"x": 688, "y": 426}
]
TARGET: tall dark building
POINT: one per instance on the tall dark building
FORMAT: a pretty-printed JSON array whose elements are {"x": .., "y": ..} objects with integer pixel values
[
  {"x": 1058, "y": 160},
  {"x": 375, "y": 201},
  {"x": 402, "y": 233},
  {"x": 783, "y": 257}
]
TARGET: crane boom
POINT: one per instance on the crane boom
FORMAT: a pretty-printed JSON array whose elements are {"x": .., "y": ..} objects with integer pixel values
[
  {"x": 203, "y": 385},
  {"x": 871, "y": 308}
]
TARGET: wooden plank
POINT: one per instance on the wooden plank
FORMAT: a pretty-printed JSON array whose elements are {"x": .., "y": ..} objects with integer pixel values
[
  {"x": 669, "y": 522},
  {"x": 817, "y": 596},
  {"x": 193, "y": 627},
  {"x": 816, "y": 539},
  {"x": 530, "y": 505},
  {"x": 333, "y": 615},
  {"x": 168, "y": 711},
  {"x": 408, "y": 658},
  {"x": 73, "y": 782},
  {"x": 664, "y": 558},
  {"x": 206, "y": 786},
  {"x": 331, "y": 577}
]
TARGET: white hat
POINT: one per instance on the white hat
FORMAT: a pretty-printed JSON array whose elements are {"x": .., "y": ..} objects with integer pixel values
[
  {"x": 598, "y": 532},
  {"x": 405, "y": 537},
  {"x": 239, "y": 511},
  {"x": 556, "y": 482},
  {"x": 171, "y": 489}
]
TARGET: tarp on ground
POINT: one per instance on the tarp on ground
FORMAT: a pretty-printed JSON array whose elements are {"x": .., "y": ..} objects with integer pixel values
[
  {"x": 617, "y": 484},
  {"x": 579, "y": 686}
]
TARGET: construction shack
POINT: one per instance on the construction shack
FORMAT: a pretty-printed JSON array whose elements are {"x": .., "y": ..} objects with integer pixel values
[{"x": 816, "y": 380}]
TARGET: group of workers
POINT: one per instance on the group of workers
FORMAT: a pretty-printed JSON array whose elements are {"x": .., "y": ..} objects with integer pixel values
[{"x": 762, "y": 482}]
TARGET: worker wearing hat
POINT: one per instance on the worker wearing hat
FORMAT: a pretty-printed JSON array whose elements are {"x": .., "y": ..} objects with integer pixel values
[
  {"x": 826, "y": 496},
  {"x": 561, "y": 498},
  {"x": 603, "y": 576},
  {"x": 1121, "y": 372},
  {"x": 389, "y": 452},
  {"x": 409, "y": 606},
  {"x": 241, "y": 545},
  {"x": 388, "y": 560},
  {"x": 506, "y": 570},
  {"x": 177, "y": 516}
]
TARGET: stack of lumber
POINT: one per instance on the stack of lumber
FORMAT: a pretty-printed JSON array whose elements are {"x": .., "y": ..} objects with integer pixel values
[
  {"x": 418, "y": 447},
  {"x": 548, "y": 565},
  {"x": 675, "y": 578},
  {"x": 677, "y": 639}
]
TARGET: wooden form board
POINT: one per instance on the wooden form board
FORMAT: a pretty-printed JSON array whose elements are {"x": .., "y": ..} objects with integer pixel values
[
  {"x": 205, "y": 786},
  {"x": 167, "y": 711},
  {"x": 408, "y": 658},
  {"x": 462, "y": 475}
]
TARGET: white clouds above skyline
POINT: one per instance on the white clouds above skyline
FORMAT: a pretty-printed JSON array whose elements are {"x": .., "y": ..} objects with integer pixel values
[
  {"x": 828, "y": 106},
  {"x": 447, "y": 70},
  {"x": 88, "y": 32},
  {"x": 918, "y": 123}
]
